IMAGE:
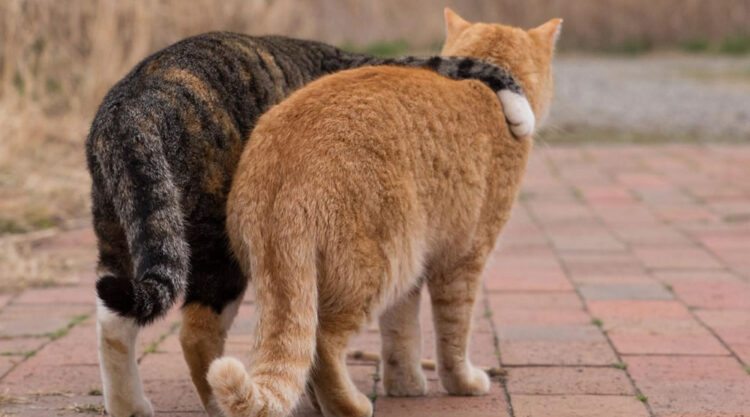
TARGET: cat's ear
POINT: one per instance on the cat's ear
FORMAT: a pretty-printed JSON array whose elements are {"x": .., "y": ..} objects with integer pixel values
[
  {"x": 548, "y": 33},
  {"x": 454, "y": 24}
]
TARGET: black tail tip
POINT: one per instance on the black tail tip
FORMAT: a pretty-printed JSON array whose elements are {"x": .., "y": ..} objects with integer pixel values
[
  {"x": 116, "y": 293},
  {"x": 119, "y": 295}
]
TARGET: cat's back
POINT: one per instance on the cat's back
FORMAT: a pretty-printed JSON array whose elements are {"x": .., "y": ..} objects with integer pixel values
[
  {"x": 221, "y": 81},
  {"x": 190, "y": 56},
  {"x": 372, "y": 129},
  {"x": 218, "y": 58},
  {"x": 368, "y": 146},
  {"x": 371, "y": 91},
  {"x": 373, "y": 104}
]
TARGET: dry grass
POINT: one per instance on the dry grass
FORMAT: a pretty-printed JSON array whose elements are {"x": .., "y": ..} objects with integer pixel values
[
  {"x": 7, "y": 399},
  {"x": 57, "y": 60},
  {"x": 33, "y": 260},
  {"x": 95, "y": 409}
]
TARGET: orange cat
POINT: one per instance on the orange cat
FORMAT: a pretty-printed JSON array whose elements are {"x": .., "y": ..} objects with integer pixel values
[{"x": 353, "y": 193}]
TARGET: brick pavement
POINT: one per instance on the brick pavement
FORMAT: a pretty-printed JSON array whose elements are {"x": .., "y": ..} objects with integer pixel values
[{"x": 621, "y": 287}]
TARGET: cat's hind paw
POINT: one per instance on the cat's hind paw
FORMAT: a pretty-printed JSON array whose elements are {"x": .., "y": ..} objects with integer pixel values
[
  {"x": 120, "y": 407},
  {"x": 518, "y": 113},
  {"x": 470, "y": 381},
  {"x": 402, "y": 383}
]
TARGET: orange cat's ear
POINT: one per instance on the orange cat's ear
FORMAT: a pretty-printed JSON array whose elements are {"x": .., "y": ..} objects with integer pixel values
[
  {"x": 548, "y": 33},
  {"x": 454, "y": 24}
]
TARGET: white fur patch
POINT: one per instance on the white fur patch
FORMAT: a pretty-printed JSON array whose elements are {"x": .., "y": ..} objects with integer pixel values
[
  {"x": 121, "y": 382},
  {"x": 518, "y": 113},
  {"x": 468, "y": 381}
]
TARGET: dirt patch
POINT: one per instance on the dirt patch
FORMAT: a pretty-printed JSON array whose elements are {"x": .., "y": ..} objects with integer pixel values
[{"x": 45, "y": 258}]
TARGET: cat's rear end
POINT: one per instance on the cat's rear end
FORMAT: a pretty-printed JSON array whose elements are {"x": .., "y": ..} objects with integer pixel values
[
  {"x": 354, "y": 192},
  {"x": 334, "y": 225}
]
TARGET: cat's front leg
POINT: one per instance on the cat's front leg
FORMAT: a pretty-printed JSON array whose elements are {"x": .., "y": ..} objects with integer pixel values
[
  {"x": 452, "y": 294},
  {"x": 121, "y": 382},
  {"x": 401, "y": 336}
]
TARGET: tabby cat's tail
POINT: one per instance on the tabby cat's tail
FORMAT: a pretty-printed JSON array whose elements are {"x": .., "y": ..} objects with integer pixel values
[
  {"x": 129, "y": 155},
  {"x": 287, "y": 302}
]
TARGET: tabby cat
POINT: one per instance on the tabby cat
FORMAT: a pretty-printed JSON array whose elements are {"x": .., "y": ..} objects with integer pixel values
[
  {"x": 353, "y": 193},
  {"x": 161, "y": 152}
]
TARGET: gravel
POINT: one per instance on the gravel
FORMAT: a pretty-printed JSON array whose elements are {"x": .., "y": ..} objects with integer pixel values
[{"x": 704, "y": 96}]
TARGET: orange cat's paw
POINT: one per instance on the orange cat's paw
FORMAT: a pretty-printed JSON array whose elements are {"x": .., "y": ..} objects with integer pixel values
[
  {"x": 142, "y": 408},
  {"x": 400, "y": 382},
  {"x": 358, "y": 406},
  {"x": 518, "y": 113},
  {"x": 472, "y": 382},
  {"x": 364, "y": 406}
]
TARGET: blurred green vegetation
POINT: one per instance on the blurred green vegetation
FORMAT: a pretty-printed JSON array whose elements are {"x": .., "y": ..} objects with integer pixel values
[
  {"x": 695, "y": 45},
  {"x": 385, "y": 49},
  {"x": 632, "y": 47},
  {"x": 582, "y": 135},
  {"x": 9, "y": 226},
  {"x": 33, "y": 218},
  {"x": 40, "y": 218},
  {"x": 733, "y": 45},
  {"x": 736, "y": 45}
]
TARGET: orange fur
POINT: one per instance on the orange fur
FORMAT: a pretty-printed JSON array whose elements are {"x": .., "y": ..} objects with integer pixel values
[
  {"x": 202, "y": 337},
  {"x": 354, "y": 192}
]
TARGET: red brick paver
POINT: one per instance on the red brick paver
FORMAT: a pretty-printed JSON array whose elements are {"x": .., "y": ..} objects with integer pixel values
[{"x": 620, "y": 287}]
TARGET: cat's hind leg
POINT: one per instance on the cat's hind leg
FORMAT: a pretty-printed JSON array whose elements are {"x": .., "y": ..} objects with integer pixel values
[
  {"x": 336, "y": 394},
  {"x": 344, "y": 305},
  {"x": 310, "y": 392},
  {"x": 121, "y": 382},
  {"x": 452, "y": 293},
  {"x": 401, "y": 336},
  {"x": 212, "y": 303}
]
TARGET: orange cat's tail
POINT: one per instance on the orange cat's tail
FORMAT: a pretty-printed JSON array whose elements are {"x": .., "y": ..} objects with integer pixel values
[{"x": 287, "y": 302}]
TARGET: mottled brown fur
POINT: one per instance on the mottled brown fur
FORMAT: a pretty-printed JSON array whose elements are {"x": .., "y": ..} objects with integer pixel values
[
  {"x": 354, "y": 192},
  {"x": 202, "y": 339},
  {"x": 116, "y": 345}
]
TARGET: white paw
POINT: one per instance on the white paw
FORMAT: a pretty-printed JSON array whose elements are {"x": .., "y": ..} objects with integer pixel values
[
  {"x": 359, "y": 406},
  {"x": 518, "y": 113},
  {"x": 404, "y": 383},
  {"x": 470, "y": 381},
  {"x": 137, "y": 408}
]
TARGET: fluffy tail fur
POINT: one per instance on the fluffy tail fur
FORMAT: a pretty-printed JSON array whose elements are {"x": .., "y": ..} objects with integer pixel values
[
  {"x": 284, "y": 277},
  {"x": 127, "y": 151}
]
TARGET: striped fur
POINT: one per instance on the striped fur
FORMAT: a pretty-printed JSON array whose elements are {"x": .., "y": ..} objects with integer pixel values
[{"x": 353, "y": 193}]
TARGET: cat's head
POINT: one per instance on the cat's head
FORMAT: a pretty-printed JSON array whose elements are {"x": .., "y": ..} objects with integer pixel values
[{"x": 526, "y": 53}]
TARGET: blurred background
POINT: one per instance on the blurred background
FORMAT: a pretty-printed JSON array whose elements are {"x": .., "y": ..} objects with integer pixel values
[{"x": 628, "y": 71}]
